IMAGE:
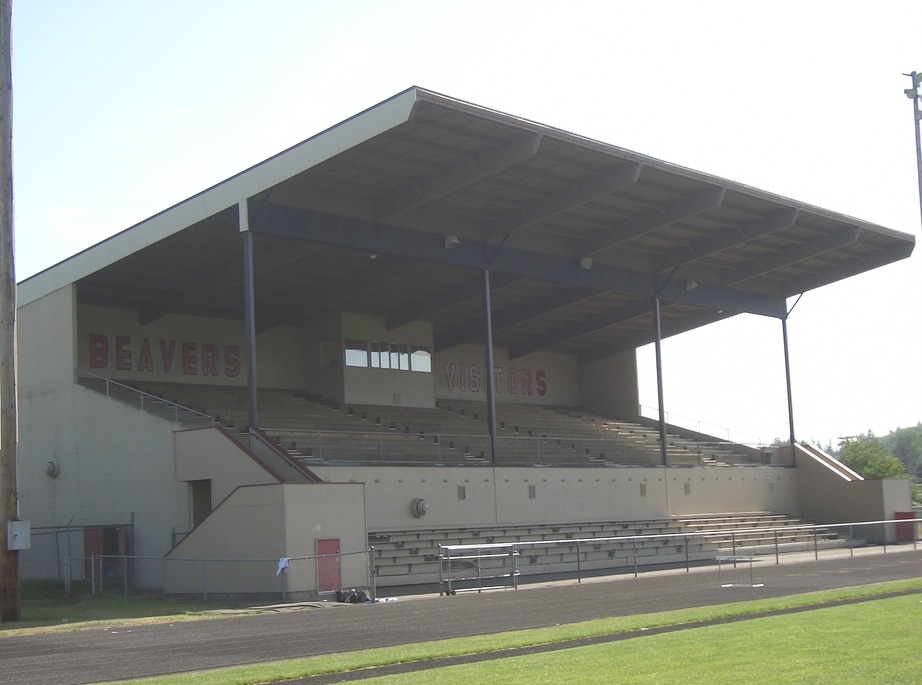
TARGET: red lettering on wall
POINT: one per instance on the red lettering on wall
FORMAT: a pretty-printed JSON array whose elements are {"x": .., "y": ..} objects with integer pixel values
[
  {"x": 474, "y": 373},
  {"x": 231, "y": 361},
  {"x": 189, "y": 360},
  {"x": 99, "y": 351},
  {"x": 209, "y": 359},
  {"x": 498, "y": 380},
  {"x": 145, "y": 360},
  {"x": 526, "y": 381},
  {"x": 449, "y": 374},
  {"x": 166, "y": 353},
  {"x": 122, "y": 353},
  {"x": 511, "y": 380}
]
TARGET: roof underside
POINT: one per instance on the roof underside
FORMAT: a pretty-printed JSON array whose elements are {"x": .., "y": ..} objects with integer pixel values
[{"x": 363, "y": 230}]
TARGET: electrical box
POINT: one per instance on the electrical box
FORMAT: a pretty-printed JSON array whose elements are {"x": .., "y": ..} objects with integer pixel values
[{"x": 18, "y": 535}]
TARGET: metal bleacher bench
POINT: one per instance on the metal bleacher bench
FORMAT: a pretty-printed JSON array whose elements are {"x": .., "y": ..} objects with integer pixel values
[{"x": 736, "y": 559}]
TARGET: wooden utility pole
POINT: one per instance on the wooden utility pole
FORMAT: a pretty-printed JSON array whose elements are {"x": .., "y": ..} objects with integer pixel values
[{"x": 10, "y": 598}]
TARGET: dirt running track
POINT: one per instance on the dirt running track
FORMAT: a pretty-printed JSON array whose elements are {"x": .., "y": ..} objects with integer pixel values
[{"x": 106, "y": 654}]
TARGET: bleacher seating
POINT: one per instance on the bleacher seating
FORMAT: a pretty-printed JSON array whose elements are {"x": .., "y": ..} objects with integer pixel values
[
  {"x": 454, "y": 432},
  {"x": 412, "y": 556}
]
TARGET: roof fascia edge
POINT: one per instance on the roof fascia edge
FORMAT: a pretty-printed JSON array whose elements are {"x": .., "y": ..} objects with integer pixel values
[{"x": 258, "y": 178}]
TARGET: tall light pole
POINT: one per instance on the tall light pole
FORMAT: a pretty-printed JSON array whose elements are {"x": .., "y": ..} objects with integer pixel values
[
  {"x": 9, "y": 507},
  {"x": 914, "y": 95}
]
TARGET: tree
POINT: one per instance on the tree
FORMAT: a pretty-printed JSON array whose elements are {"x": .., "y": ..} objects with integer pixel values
[
  {"x": 868, "y": 455},
  {"x": 906, "y": 445}
]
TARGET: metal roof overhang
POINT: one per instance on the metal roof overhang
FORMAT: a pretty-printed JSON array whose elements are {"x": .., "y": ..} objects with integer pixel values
[{"x": 356, "y": 218}]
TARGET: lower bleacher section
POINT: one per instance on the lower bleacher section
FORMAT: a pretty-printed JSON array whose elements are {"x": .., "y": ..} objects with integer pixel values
[{"x": 411, "y": 557}]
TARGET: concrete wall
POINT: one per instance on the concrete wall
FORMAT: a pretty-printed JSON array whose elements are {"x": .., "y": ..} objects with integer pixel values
[
  {"x": 114, "y": 462},
  {"x": 540, "y": 378},
  {"x": 830, "y": 495},
  {"x": 481, "y": 495},
  {"x": 184, "y": 349},
  {"x": 208, "y": 454},
  {"x": 609, "y": 386},
  {"x": 258, "y": 525}
]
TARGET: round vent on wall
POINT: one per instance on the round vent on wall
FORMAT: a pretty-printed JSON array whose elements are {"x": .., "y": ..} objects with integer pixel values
[
  {"x": 419, "y": 507},
  {"x": 52, "y": 469}
]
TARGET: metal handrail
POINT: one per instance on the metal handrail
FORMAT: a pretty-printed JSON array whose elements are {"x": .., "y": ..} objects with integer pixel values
[
  {"x": 142, "y": 396},
  {"x": 483, "y": 550}
]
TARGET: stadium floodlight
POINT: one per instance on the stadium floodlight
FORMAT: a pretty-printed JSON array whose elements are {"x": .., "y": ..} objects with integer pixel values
[
  {"x": 451, "y": 242},
  {"x": 913, "y": 94}
]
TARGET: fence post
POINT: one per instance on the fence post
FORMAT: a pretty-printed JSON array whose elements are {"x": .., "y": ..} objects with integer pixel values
[
  {"x": 579, "y": 566},
  {"x": 777, "y": 552},
  {"x": 515, "y": 567},
  {"x": 67, "y": 575},
  {"x": 634, "y": 545},
  {"x": 816, "y": 544},
  {"x": 125, "y": 573},
  {"x": 851, "y": 541},
  {"x": 687, "y": 558},
  {"x": 205, "y": 581},
  {"x": 372, "y": 576},
  {"x": 93, "y": 574}
]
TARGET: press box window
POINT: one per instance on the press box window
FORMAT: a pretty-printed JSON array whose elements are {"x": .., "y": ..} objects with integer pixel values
[
  {"x": 421, "y": 360},
  {"x": 379, "y": 355},
  {"x": 356, "y": 353},
  {"x": 400, "y": 357}
]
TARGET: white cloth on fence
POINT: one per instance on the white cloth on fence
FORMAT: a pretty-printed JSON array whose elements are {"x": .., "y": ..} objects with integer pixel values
[{"x": 284, "y": 563}]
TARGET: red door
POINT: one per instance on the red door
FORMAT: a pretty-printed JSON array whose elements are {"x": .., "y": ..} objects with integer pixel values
[{"x": 329, "y": 578}]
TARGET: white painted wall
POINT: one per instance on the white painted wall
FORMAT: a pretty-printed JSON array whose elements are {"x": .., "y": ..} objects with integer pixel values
[
  {"x": 562, "y": 495},
  {"x": 609, "y": 386},
  {"x": 828, "y": 497},
  {"x": 114, "y": 461},
  {"x": 207, "y": 454},
  {"x": 259, "y": 524}
]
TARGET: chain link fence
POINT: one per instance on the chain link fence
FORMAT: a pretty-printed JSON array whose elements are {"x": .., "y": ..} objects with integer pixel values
[{"x": 289, "y": 579}]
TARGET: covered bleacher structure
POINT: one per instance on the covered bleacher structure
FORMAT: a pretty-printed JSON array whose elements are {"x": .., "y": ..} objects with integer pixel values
[{"x": 418, "y": 326}]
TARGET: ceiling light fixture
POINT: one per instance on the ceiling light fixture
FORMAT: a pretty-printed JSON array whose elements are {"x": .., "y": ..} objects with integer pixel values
[{"x": 451, "y": 241}]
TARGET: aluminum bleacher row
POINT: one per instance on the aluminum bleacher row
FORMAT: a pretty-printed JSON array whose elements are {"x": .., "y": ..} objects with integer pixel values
[
  {"x": 412, "y": 556},
  {"x": 454, "y": 432}
]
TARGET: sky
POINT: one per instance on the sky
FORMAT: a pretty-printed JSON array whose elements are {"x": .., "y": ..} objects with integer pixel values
[{"x": 123, "y": 109}]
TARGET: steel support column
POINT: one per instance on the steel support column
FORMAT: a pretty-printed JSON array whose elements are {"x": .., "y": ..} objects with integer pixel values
[
  {"x": 249, "y": 305},
  {"x": 787, "y": 376},
  {"x": 659, "y": 379},
  {"x": 488, "y": 360}
]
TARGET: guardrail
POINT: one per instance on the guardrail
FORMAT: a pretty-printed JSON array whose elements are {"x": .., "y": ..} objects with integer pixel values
[
  {"x": 466, "y": 568},
  {"x": 153, "y": 404}
]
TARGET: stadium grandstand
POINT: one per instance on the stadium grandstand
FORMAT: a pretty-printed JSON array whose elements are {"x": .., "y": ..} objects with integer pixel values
[{"x": 415, "y": 329}]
